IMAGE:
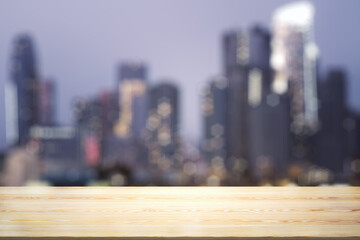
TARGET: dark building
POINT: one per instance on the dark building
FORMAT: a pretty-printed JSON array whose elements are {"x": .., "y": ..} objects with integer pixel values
[
  {"x": 132, "y": 70},
  {"x": 163, "y": 125},
  {"x": 269, "y": 138},
  {"x": 88, "y": 130},
  {"x": 352, "y": 150},
  {"x": 333, "y": 115},
  {"x": 246, "y": 54},
  {"x": 236, "y": 57},
  {"x": 237, "y": 143},
  {"x": 268, "y": 121},
  {"x": 101, "y": 113},
  {"x": 127, "y": 157},
  {"x": 59, "y": 155},
  {"x": 47, "y": 102},
  {"x": 214, "y": 111},
  {"x": 132, "y": 93},
  {"x": 108, "y": 113},
  {"x": 94, "y": 120},
  {"x": 22, "y": 92}
]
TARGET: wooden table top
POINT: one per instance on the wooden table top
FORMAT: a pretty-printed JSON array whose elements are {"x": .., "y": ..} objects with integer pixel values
[{"x": 179, "y": 212}]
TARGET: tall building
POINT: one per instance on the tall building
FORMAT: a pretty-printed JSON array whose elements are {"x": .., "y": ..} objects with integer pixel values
[
  {"x": 236, "y": 58},
  {"x": 163, "y": 125},
  {"x": 214, "y": 111},
  {"x": 293, "y": 59},
  {"x": 132, "y": 93},
  {"x": 237, "y": 119},
  {"x": 47, "y": 102},
  {"x": 333, "y": 115},
  {"x": 265, "y": 113},
  {"x": 246, "y": 66},
  {"x": 21, "y": 94}
]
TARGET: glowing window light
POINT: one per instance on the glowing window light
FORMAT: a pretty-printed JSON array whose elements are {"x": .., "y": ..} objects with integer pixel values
[
  {"x": 189, "y": 168},
  {"x": 153, "y": 122},
  {"x": 164, "y": 136},
  {"x": 129, "y": 89},
  {"x": 272, "y": 100},
  {"x": 255, "y": 87},
  {"x": 221, "y": 83},
  {"x": 164, "y": 109},
  {"x": 44, "y": 132},
  {"x": 297, "y": 14},
  {"x": 280, "y": 84},
  {"x": 217, "y": 130},
  {"x": 278, "y": 59}
]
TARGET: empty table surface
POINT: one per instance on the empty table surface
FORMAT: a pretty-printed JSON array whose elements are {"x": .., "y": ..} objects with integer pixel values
[{"x": 179, "y": 212}]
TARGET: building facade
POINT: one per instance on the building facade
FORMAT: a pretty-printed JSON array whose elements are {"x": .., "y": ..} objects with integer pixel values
[
  {"x": 22, "y": 92},
  {"x": 132, "y": 94},
  {"x": 293, "y": 60}
]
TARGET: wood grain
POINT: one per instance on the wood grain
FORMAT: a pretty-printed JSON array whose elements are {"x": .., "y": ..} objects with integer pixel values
[{"x": 179, "y": 212}]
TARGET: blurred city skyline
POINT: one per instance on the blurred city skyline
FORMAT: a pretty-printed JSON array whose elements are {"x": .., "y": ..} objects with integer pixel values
[
  {"x": 82, "y": 44},
  {"x": 274, "y": 113}
]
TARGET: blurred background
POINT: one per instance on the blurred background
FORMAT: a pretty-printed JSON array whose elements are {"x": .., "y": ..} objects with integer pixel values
[{"x": 179, "y": 93}]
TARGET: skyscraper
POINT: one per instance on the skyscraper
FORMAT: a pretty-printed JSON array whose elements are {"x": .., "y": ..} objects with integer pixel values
[
  {"x": 246, "y": 66},
  {"x": 163, "y": 124},
  {"x": 264, "y": 114},
  {"x": 236, "y": 58},
  {"x": 333, "y": 113},
  {"x": 214, "y": 110},
  {"x": 22, "y": 92},
  {"x": 132, "y": 95},
  {"x": 294, "y": 57}
]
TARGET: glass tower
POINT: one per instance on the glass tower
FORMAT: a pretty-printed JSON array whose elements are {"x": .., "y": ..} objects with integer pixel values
[
  {"x": 132, "y": 100},
  {"x": 21, "y": 92},
  {"x": 294, "y": 55}
]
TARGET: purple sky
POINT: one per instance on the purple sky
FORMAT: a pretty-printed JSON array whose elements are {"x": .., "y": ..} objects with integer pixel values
[{"x": 80, "y": 43}]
